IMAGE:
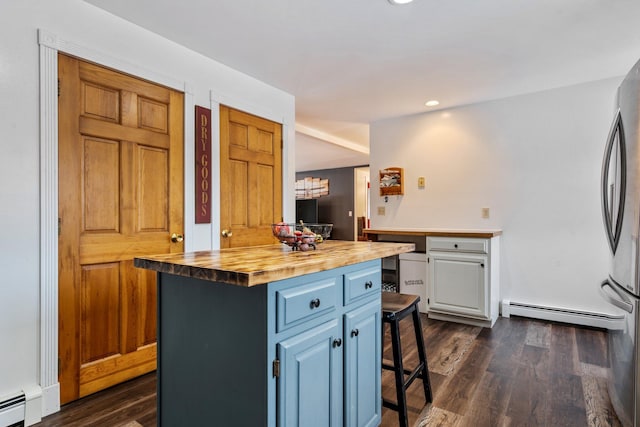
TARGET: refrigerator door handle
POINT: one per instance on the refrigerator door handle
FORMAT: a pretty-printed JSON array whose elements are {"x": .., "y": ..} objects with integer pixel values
[
  {"x": 618, "y": 302},
  {"x": 608, "y": 200}
]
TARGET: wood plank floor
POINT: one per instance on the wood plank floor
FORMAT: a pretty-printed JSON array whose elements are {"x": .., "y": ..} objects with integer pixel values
[{"x": 522, "y": 372}]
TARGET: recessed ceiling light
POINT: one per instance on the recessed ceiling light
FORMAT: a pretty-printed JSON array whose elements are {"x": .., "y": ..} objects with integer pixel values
[
  {"x": 431, "y": 103},
  {"x": 400, "y": 1}
]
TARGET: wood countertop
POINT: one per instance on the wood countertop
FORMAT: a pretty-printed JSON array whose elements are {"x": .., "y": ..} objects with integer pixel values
[
  {"x": 436, "y": 232},
  {"x": 257, "y": 265}
]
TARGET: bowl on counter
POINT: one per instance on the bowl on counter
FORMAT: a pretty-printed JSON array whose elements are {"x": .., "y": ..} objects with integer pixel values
[{"x": 300, "y": 236}]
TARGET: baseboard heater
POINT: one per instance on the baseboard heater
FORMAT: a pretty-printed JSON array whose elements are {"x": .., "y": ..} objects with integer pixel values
[
  {"x": 12, "y": 410},
  {"x": 577, "y": 317}
]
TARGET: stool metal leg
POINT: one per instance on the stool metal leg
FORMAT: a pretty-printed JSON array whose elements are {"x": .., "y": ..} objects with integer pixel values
[{"x": 426, "y": 379}]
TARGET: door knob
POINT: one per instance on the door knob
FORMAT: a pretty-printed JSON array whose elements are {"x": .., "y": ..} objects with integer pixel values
[
  {"x": 226, "y": 233},
  {"x": 177, "y": 238}
]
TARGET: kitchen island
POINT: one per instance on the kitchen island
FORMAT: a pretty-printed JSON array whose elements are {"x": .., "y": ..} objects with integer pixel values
[{"x": 266, "y": 336}]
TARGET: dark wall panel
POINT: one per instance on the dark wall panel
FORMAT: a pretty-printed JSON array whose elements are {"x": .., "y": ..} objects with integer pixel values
[{"x": 335, "y": 207}]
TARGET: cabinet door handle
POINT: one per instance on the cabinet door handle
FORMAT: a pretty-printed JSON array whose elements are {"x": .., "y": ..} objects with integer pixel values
[
  {"x": 455, "y": 246},
  {"x": 482, "y": 265},
  {"x": 315, "y": 303},
  {"x": 368, "y": 285},
  {"x": 337, "y": 342},
  {"x": 355, "y": 332}
]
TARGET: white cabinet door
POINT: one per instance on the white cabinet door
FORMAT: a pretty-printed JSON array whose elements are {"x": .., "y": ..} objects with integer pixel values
[{"x": 458, "y": 284}]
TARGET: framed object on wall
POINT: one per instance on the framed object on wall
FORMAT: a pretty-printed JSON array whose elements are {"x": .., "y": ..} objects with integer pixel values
[{"x": 392, "y": 181}]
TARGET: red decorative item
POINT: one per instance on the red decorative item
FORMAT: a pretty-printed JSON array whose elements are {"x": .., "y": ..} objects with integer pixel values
[{"x": 203, "y": 165}]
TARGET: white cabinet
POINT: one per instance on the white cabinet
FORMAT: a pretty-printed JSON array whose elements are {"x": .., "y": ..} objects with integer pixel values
[{"x": 464, "y": 279}]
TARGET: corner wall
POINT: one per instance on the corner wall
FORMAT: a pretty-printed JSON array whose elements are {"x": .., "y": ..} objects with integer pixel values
[{"x": 533, "y": 160}]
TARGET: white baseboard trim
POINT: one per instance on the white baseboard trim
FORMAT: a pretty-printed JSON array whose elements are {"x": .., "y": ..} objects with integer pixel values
[
  {"x": 558, "y": 314},
  {"x": 51, "y": 399}
]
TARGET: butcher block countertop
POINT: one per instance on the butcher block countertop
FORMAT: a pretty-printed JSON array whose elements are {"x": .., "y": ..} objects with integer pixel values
[
  {"x": 435, "y": 232},
  {"x": 257, "y": 265}
]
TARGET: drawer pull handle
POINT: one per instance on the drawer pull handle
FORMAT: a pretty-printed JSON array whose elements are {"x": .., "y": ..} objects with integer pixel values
[
  {"x": 315, "y": 303},
  {"x": 337, "y": 342},
  {"x": 355, "y": 332},
  {"x": 368, "y": 285},
  {"x": 455, "y": 246}
]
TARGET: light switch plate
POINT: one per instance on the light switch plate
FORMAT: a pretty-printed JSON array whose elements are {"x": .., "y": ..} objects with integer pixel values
[
  {"x": 381, "y": 210},
  {"x": 421, "y": 182},
  {"x": 485, "y": 213}
]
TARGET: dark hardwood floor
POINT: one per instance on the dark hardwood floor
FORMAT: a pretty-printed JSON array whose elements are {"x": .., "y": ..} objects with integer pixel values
[{"x": 522, "y": 372}]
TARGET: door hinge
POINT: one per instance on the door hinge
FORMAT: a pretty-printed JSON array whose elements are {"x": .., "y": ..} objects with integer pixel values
[
  {"x": 59, "y": 226},
  {"x": 59, "y": 87},
  {"x": 59, "y": 365},
  {"x": 276, "y": 368}
]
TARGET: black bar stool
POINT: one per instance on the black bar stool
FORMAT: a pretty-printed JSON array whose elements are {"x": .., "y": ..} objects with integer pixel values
[{"x": 396, "y": 307}]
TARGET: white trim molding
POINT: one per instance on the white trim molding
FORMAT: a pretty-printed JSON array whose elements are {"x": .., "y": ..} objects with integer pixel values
[
  {"x": 49, "y": 222},
  {"x": 341, "y": 142}
]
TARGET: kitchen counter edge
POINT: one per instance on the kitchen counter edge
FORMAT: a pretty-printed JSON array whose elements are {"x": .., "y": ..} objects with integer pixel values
[
  {"x": 435, "y": 232},
  {"x": 258, "y": 265}
]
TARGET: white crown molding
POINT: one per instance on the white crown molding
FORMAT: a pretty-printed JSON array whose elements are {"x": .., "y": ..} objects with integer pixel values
[{"x": 344, "y": 143}]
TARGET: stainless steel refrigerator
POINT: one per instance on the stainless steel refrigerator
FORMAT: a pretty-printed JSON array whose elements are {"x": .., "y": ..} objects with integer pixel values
[{"x": 621, "y": 214}]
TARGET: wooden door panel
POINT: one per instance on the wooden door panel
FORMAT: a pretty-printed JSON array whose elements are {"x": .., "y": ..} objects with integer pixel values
[
  {"x": 100, "y": 312},
  {"x": 153, "y": 115},
  {"x": 264, "y": 209},
  {"x": 100, "y": 102},
  {"x": 101, "y": 185},
  {"x": 239, "y": 176},
  {"x": 153, "y": 189},
  {"x": 121, "y": 195},
  {"x": 265, "y": 142},
  {"x": 238, "y": 135}
]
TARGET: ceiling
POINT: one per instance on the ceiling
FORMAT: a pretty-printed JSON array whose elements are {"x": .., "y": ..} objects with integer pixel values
[{"x": 353, "y": 62}]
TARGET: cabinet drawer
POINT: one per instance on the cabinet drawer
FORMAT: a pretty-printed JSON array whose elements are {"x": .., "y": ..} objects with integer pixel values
[
  {"x": 457, "y": 244},
  {"x": 361, "y": 283},
  {"x": 302, "y": 303}
]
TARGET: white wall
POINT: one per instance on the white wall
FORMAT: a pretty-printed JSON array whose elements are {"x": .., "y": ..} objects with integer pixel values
[
  {"x": 109, "y": 37},
  {"x": 535, "y": 161}
]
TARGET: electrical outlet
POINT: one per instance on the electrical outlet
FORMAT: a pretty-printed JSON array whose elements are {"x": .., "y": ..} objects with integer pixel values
[
  {"x": 350, "y": 213},
  {"x": 381, "y": 210},
  {"x": 485, "y": 213}
]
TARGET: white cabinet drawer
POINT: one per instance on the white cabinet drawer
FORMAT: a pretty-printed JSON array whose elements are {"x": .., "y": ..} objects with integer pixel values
[
  {"x": 303, "y": 303},
  {"x": 455, "y": 244}
]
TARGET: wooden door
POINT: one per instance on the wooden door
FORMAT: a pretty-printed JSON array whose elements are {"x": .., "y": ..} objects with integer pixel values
[
  {"x": 120, "y": 195},
  {"x": 250, "y": 178}
]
